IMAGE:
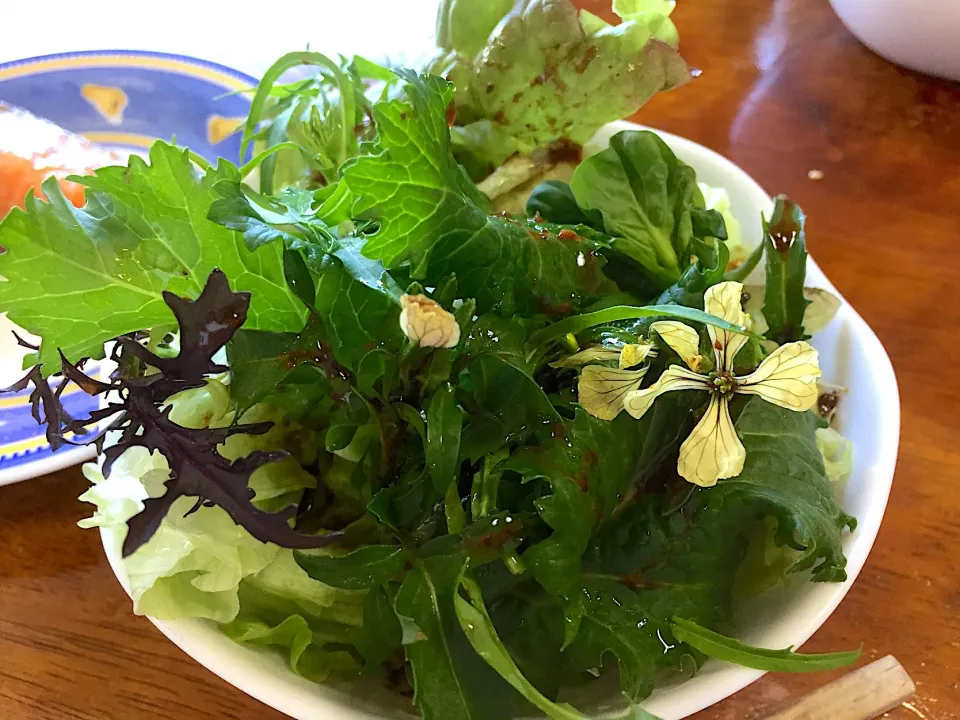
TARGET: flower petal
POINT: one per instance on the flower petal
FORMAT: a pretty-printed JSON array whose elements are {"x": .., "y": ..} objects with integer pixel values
[
  {"x": 682, "y": 339},
  {"x": 724, "y": 301},
  {"x": 598, "y": 353},
  {"x": 635, "y": 353},
  {"x": 787, "y": 377},
  {"x": 713, "y": 451},
  {"x": 674, "y": 377},
  {"x": 601, "y": 389}
]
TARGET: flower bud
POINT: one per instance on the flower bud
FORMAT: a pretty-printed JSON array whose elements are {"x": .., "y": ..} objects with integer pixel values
[{"x": 426, "y": 323}]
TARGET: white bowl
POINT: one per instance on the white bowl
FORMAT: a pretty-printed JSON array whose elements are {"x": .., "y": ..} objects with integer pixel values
[
  {"x": 850, "y": 354},
  {"x": 922, "y": 36}
]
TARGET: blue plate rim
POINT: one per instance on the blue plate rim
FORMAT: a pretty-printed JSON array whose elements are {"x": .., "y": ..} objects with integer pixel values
[
  {"x": 184, "y": 65},
  {"x": 248, "y": 80}
]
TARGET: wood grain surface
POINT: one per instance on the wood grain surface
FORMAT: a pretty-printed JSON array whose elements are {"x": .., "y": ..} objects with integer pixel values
[{"x": 785, "y": 90}]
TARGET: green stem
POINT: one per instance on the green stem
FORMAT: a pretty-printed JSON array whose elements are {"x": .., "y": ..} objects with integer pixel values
[
  {"x": 579, "y": 323},
  {"x": 270, "y": 77},
  {"x": 201, "y": 161},
  {"x": 254, "y": 162},
  {"x": 456, "y": 518},
  {"x": 513, "y": 562},
  {"x": 739, "y": 274}
]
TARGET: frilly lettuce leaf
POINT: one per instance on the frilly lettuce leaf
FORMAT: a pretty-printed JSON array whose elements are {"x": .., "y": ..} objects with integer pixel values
[
  {"x": 542, "y": 73},
  {"x": 294, "y": 634},
  {"x": 837, "y": 453},
  {"x": 193, "y": 565}
]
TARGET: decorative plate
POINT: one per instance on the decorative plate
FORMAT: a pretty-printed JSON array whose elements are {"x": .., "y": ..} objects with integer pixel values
[{"x": 123, "y": 100}]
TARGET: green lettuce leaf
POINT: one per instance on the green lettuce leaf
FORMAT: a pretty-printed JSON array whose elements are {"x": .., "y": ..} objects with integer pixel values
[
  {"x": 80, "y": 277},
  {"x": 282, "y": 607},
  {"x": 308, "y": 658},
  {"x": 465, "y": 25}
]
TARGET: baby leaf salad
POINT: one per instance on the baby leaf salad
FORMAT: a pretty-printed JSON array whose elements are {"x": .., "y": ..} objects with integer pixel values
[{"x": 366, "y": 413}]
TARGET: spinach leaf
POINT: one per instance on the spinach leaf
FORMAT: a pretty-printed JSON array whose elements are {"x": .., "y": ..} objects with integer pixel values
[
  {"x": 451, "y": 681},
  {"x": 649, "y": 202},
  {"x": 553, "y": 200},
  {"x": 786, "y": 265}
]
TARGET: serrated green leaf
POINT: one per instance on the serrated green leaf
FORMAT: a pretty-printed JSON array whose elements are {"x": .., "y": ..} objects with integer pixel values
[
  {"x": 432, "y": 217},
  {"x": 358, "y": 318},
  {"x": 80, "y": 277},
  {"x": 785, "y": 477},
  {"x": 721, "y": 647}
]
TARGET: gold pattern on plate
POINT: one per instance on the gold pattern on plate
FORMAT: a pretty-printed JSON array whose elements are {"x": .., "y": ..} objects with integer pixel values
[
  {"x": 110, "y": 102},
  {"x": 219, "y": 128}
]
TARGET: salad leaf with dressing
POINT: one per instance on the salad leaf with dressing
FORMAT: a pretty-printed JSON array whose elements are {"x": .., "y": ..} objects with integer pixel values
[{"x": 365, "y": 417}]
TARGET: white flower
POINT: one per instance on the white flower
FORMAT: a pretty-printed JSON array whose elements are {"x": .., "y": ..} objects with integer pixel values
[
  {"x": 600, "y": 390},
  {"x": 787, "y": 377},
  {"x": 426, "y": 323}
]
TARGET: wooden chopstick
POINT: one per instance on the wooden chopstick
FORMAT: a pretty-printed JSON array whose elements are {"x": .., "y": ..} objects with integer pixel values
[{"x": 862, "y": 695}]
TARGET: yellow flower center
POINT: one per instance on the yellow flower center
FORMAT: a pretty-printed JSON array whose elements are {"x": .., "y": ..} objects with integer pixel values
[{"x": 722, "y": 383}]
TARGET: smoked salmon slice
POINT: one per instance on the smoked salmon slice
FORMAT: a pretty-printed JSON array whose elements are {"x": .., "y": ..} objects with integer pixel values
[{"x": 33, "y": 149}]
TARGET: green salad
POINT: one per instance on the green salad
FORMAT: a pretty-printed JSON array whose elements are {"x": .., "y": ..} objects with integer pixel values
[{"x": 420, "y": 391}]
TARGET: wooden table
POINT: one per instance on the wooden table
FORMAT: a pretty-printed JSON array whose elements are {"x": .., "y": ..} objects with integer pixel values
[{"x": 785, "y": 90}]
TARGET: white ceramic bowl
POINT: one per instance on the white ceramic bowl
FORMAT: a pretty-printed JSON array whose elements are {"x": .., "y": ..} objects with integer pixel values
[
  {"x": 923, "y": 36},
  {"x": 850, "y": 354}
]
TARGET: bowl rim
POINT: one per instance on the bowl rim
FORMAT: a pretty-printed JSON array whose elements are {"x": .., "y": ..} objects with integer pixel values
[{"x": 243, "y": 667}]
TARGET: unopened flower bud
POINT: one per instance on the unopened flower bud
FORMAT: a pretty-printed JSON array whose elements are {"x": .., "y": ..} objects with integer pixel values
[{"x": 426, "y": 323}]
